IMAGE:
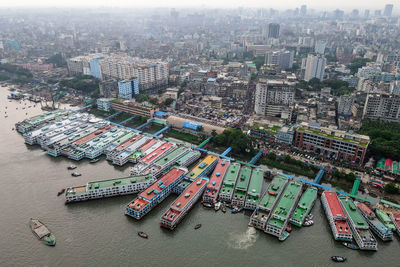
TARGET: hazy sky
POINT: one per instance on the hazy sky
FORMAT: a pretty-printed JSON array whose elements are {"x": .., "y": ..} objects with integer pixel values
[{"x": 281, "y": 4}]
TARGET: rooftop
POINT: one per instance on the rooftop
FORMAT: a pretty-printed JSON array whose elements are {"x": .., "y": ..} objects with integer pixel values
[
  {"x": 156, "y": 153},
  {"x": 244, "y": 179},
  {"x": 232, "y": 174},
  {"x": 256, "y": 182},
  {"x": 353, "y": 212},
  {"x": 218, "y": 174},
  {"x": 170, "y": 156},
  {"x": 334, "y": 204},
  {"x": 93, "y": 135},
  {"x": 305, "y": 203},
  {"x": 187, "y": 156},
  {"x": 201, "y": 166},
  {"x": 273, "y": 190}
]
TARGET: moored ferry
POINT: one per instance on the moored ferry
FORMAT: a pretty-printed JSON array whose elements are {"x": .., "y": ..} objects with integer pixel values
[
  {"x": 242, "y": 184},
  {"x": 229, "y": 182},
  {"x": 395, "y": 216},
  {"x": 385, "y": 219},
  {"x": 336, "y": 216},
  {"x": 359, "y": 227},
  {"x": 376, "y": 226},
  {"x": 266, "y": 204},
  {"x": 108, "y": 188},
  {"x": 254, "y": 190},
  {"x": 279, "y": 219},
  {"x": 214, "y": 185},
  {"x": 304, "y": 206},
  {"x": 183, "y": 203}
]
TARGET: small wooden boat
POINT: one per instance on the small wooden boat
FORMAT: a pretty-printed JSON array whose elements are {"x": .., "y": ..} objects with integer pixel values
[
  {"x": 197, "y": 226},
  {"x": 143, "y": 235},
  {"x": 61, "y": 192},
  {"x": 236, "y": 209},
  {"x": 223, "y": 208},
  {"x": 217, "y": 206},
  {"x": 71, "y": 167},
  {"x": 338, "y": 258},
  {"x": 94, "y": 160},
  {"x": 207, "y": 205}
]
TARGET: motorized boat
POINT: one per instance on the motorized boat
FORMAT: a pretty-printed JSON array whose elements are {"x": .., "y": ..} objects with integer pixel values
[
  {"x": 217, "y": 206},
  {"x": 143, "y": 235},
  {"x": 76, "y": 174},
  {"x": 94, "y": 160},
  {"x": 42, "y": 232},
  {"x": 71, "y": 167},
  {"x": 350, "y": 245},
  {"x": 338, "y": 258},
  {"x": 197, "y": 226},
  {"x": 308, "y": 223},
  {"x": 236, "y": 209},
  {"x": 223, "y": 208},
  {"x": 207, "y": 205}
]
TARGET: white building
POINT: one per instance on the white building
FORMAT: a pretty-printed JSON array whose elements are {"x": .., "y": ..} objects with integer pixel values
[
  {"x": 382, "y": 107},
  {"x": 345, "y": 105},
  {"x": 282, "y": 58},
  {"x": 315, "y": 67},
  {"x": 273, "y": 93},
  {"x": 104, "y": 104}
]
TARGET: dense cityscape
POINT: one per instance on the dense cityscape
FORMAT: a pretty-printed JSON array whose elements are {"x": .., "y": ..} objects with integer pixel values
[{"x": 289, "y": 117}]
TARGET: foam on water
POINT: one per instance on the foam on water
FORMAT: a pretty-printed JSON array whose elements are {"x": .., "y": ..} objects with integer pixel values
[{"x": 243, "y": 240}]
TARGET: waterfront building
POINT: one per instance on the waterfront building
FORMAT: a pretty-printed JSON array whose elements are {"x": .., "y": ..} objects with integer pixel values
[
  {"x": 280, "y": 215},
  {"x": 242, "y": 184},
  {"x": 336, "y": 216},
  {"x": 134, "y": 108},
  {"x": 215, "y": 182},
  {"x": 331, "y": 143},
  {"x": 359, "y": 227},
  {"x": 184, "y": 203},
  {"x": 266, "y": 204},
  {"x": 104, "y": 104},
  {"x": 285, "y": 135},
  {"x": 304, "y": 206},
  {"x": 229, "y": 182},
  {"x": 109, "y": 188},
  {"x": 154, "y": 194},
  {"x": 254, "y": 190}
]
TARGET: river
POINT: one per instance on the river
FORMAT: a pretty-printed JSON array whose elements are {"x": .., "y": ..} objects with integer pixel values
[{"x": 96, "y": 233}]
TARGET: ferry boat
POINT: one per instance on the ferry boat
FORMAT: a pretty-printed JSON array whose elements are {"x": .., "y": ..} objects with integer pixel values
[
  {"x": 167, "y": 160},
  {"x": 254, "y": 190},
  {"x": 155, "y": 194},
  {"x": 214, "y": 185},
  {"x": 396, "y": 221},
  {"x": 42, "y": 232},
  {"x": 336, "y": 216},
  {"x": 229, "y": 182},
  {"x": 242, "y": 184},
  {"x": 359, "y": 227},
  {"x": 121, "y": 158},
  {"x": 117, "y": 148},
  {"x": 267, "y": 203},
  {"x": 280, "y": 216},
  {"x": 385, "y": 219},
  {"x": 304, "y": 207},
  {"x": 183, "y": 203},
  {"x": 376, "y": 226},
  {"x": 36, "y": 121},
  {"x": 108, "y": 188},
  {"x": 203, "y": 168}
]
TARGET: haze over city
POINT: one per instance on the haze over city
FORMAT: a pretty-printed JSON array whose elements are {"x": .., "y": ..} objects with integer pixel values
[{"x": 199, "y": 133}]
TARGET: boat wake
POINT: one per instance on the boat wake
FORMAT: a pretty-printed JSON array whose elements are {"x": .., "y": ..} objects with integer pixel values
[{"x": 243, "y": 240}]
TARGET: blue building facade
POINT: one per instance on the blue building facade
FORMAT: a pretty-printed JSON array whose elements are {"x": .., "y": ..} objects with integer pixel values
[
  {"x": 128, "y": 88},
  {"x": 95, "y": 67}
]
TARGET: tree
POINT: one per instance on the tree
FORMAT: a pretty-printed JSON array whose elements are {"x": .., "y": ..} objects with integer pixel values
[
  {"x": 271, "y": 156},
  {"x": 213, "y": 133},
  {"x": 391, "y": 188},
  {"x": 168, "y": 101},
  {"x": 141, "y": 98},
  {"x": 200, "y": 128},
  {"x": 357, "y": 63},
  {"x": 259, "y": 61}
]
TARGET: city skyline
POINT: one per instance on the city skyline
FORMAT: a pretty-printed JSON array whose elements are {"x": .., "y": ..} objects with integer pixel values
[{"x": 287, "y": 4}]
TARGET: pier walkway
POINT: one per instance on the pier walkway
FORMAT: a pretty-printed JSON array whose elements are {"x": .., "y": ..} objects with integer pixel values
[
  {"x": 113, "y": 115},
  {"x": 161, "y": 131},
  {"x": 83, "y": 108},
  {"x": 204, "y": 142},
  {"x": 319, "y": 176},
  {"x": 226, "y": 152},
  {"x": 129, "y": 119},
  {"x": 144, "y": 124},
  {"x": 256, "y": 157},
  {"x": 356, "y": 184}
]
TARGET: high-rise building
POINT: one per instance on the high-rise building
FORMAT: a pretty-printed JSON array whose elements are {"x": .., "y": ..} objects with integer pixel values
[
  {"x": 303, "y": 10},
  {"x": 355, "y": 13},
  {"x": 320, "y": 47},
  {"x": 85, "y": 65},
  {"x": 272, "y": 95},
  {"x": 128, "y": 88},
  {"x": 345, "y": 105},
  {"x": 382, "y": 107},
  {"x": 273, "y": 30},
  {"x": 282, "y": 58},
  {"x": 388, "y": 10},
  {"x": 366, "y": 13},
  {"x": 378, "y": 13},
  {"x": 315, "y": 67}
]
